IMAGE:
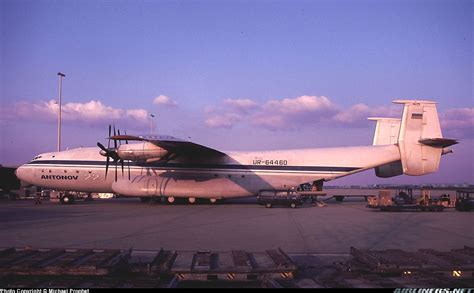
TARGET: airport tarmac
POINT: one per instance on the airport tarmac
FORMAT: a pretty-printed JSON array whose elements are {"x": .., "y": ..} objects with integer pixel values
[{"x": 235, "y": 224}]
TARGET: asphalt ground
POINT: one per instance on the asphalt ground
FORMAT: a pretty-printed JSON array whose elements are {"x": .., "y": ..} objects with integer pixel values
[{"x": 234, "y": 224}]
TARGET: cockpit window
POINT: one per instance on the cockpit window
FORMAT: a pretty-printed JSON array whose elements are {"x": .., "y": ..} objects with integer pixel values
[{"x": 37, "y": 157}]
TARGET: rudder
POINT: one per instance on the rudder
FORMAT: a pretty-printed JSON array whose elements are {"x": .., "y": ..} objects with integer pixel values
[{"x": 420, "y": 139}]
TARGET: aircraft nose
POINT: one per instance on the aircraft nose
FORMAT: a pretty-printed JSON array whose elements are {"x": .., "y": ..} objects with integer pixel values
[{"x": 21, "y": 173}]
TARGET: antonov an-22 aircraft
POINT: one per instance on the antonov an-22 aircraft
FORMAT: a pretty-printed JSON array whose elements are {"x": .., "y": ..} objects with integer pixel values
[{"x": 164, "y": 166}]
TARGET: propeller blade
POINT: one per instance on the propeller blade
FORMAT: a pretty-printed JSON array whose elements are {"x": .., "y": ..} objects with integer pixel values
[
  {"x": 115, "y": 141},
  {"x": 126, "y": 141},
  {"x": 120, "y": 141},
  {"x": 107, "y": 166},
  {"x": 102, "y": 147},
  {"x": 115, "y": 172},
  {"x": 128, "y": 170},
  {"x": 110, "y": 132},
  {"x": 121, "y": 161}
]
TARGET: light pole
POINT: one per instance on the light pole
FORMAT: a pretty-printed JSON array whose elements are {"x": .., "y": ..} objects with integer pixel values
[
  {"x": 151, "y": 123},
  {"x": 61, "y": 75}
]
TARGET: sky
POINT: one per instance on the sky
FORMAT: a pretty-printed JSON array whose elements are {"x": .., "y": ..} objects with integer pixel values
[{"x": 235, "y": 75}]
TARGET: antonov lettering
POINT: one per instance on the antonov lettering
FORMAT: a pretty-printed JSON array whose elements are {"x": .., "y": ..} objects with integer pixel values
[{"x": 59, "y": 177}]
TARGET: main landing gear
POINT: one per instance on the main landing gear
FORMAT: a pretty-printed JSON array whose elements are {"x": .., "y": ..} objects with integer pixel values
[{"x": 176, "y": 200}]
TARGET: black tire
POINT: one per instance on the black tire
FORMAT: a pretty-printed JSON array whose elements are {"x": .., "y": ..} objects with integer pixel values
[
  {"x": 293, "y": 205},
  {"x": 268, "y": 205},
  {"x": 339, "y": 198}
]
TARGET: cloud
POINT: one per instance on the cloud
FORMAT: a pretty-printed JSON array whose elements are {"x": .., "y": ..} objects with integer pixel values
[
  {"x": 458, "y": 123},
  {"x": 137, "y": 114},
  {"x": 302, "y": 104},
  {"x": 229, "y": 113},
  {"x": 288, "y": 113},
  {"x": 307, "y": 111},
  {"x": 164, "y": 101},
  {"x": 357, "y": 114},
  {"x": 93, "y": 112},
  {"x": 225, "y": 120},
  {"x": 242, "y": 105},
  {"x": 294, "y": 113}
]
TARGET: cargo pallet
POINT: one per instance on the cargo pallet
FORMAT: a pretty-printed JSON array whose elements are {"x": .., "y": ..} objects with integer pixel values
[
  {"x": 86, "y": 268},
  {"x": 116, "y": 268},
  {"x": 395, "y": 268}
]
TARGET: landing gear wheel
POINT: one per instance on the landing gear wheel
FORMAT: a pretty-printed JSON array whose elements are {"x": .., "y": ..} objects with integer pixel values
[
  {"x": 171, "y": 199},
  {"x": 67, "y": 199},
  {"x": 293, "y": 205},
  {"x": 268, "y": 205},
  {"x": 192, "y": 200},
  {"x": 213, "y": 200}
]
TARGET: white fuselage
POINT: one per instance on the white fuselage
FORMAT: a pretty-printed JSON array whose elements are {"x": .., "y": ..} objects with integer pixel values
[{"x": 238, "y": 174}]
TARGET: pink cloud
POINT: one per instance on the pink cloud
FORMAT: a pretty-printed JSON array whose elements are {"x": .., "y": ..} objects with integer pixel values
[
  {"x": 288, "y": 113},
  {"x": 300, "y": 104},
  {"x": 225, "y": 120},
  {"x": 357, "y": 114},
  {"x": 230, "y": 113},
  {"x": 164, "y": 101},
  {"x": 242, "y": 105},
  {"x": 93, "y": 112},
  {"x": 306, "y": 111},
  {"x": 293, "y": 113}
]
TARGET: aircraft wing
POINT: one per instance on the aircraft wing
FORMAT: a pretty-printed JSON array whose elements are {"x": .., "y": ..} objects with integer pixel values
[{"x": 173, "y": 145}]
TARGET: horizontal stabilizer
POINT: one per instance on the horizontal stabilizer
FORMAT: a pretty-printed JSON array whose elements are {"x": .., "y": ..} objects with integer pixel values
[{"x": 438, "y": 142}]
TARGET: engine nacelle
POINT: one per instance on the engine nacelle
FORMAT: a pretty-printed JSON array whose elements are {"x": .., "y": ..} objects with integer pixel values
[{"x": 141, "y": 151}]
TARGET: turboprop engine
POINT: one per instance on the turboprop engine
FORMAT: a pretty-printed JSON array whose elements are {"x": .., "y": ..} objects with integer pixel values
[{"x": 141, "y": 151}]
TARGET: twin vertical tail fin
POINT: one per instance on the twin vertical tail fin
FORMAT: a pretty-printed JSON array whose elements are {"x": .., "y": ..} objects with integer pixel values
[
  {"x": 386, "y": 132},
  {"x": 419, "y": 138}
]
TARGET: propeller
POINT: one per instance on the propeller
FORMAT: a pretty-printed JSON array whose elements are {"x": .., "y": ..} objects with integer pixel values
[{"x": 109, "y": 153}]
